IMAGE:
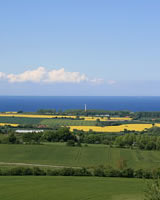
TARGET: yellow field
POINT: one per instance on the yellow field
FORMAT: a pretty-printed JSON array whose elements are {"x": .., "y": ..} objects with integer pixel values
[
  {"x": 121, "y": 118},
  {"x": 35, "y": 116},
  {"x": 7, "y": 124},
  {"x": 9, "y": 114},
  {"x": 130, "y": 127}
]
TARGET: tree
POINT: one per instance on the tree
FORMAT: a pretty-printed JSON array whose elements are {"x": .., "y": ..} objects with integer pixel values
[
  {"x": 119, "y": 141},
  {"x": 12, "y": 139},
  {"x": 152, "y": 191}
]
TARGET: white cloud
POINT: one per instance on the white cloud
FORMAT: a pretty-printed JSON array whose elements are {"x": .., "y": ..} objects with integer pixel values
[
  {"x": 62, "y": 76},
  {"x": 36, "y": 75},
  {"x": 46, "y": 76},
  {"x": 42, "y": 75},
  {"x": 2, "y": 75},
  {"x": 111, "y": 82},
  {"x": 97, "y": 81}
]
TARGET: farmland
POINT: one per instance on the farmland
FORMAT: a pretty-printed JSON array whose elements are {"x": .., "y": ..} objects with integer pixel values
[
  {"x": 66, "y": 116},
  {"x": 67, "y": 122},
  {"x": 79, "y": 124},
  {"x": 130, "y": 127},
  {"x": 76, "y": 125},
  {"x": 106, "y": 118},
  {"x": 45, "y": 153},
  {"x": 70, "y": 188},
  {"x": 48, "y": 122},
  {"x": 20, "y": 120},
  {"x": 9, "y": 124},
  {"x": 58, "y": 154}
]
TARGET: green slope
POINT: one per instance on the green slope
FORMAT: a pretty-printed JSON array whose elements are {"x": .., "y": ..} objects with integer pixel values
[
  {"x": 93, "y": 155},
  {"x": 70, "y": 188}
]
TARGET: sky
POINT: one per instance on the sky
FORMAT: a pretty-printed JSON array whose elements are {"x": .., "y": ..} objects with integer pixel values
[{"x": 80, "y": 47}]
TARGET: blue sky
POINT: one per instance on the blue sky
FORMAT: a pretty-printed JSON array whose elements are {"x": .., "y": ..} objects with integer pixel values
[{"x": 80, "y": 47}]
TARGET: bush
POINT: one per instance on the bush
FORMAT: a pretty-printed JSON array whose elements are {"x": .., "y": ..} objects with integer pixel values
[
  {"x": 99, "y": 171},
  {"x": 152, "y": 191},
  {"x": 70, "y": 143},
  {"x": 127, "y": 173},
  {"x": 82, "y": 172},
  {"x": 139, "y": 173},
  {"x": 38, "y": 172},
  {"x": 66, "y": 172}
]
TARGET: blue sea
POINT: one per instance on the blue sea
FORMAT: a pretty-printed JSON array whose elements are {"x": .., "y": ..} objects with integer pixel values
[{"x": 33, "y": 103}]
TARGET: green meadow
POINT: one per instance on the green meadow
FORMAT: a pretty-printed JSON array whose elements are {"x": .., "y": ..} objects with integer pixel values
[
  {"x": 70, "y": 188},
  {"x": 49, "y": 122},
  {"x": 20, "y": 120},
  {"x": 93, "y": 155},
  {"x": 67, "y": 122}
]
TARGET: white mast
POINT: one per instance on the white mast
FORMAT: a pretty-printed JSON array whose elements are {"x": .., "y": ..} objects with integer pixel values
[{"x": 85, "y": 107}]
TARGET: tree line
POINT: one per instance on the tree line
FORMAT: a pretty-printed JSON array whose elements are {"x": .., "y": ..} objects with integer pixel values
[
  {"x": 99, "y": 171},
  {"x": 146, "y": 140}
]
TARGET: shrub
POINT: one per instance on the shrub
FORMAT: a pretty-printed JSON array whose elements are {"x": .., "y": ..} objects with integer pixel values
[
  {"x": 99, "y": 171},
  {"x": 38, "y": 172},
  {"x": 127, "y": 173},
  {"x": 70, "y": 143},
  {"x": 152, "y": 191}
]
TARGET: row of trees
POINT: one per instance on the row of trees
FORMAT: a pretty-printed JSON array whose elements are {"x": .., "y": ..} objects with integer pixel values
[
  {"x": 99, "y": 171},
  {"x": 144, "y": 141},
  {"x": 63, "y": 134},
  {"x": 92, "y": 112},
  {"x": 139, "y": 115},
  {"x": 80, "y": 112}
]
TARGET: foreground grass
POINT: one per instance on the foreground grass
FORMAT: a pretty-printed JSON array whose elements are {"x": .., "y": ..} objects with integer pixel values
[
  {"x": 70, "y": 188},
  {"x": 62, "y": 155}
]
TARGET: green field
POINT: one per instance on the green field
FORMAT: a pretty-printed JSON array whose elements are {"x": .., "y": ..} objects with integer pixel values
[
  {"x": 20, "y": 120},
  {"x": 93, "y": 155},
  {"x": 49, "y": 122},
  {"x": 67, "y": 122},
  {"x": 70, "y": 188}
]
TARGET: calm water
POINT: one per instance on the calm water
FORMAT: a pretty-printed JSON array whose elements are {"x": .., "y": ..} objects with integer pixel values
[{"x": 15, "y": 103}]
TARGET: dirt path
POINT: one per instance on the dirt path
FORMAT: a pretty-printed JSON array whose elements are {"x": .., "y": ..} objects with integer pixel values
[{"x": 37, "y": 165}]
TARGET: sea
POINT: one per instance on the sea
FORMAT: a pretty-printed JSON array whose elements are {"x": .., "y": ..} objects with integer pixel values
[{"x": 34, "y": 103}]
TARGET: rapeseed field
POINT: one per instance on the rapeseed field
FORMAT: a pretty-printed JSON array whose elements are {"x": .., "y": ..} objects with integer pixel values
[
  {"x": 8, "y": 124},
  {"x": 9, "y": 114},
  {"x": 130, "y": 127}
]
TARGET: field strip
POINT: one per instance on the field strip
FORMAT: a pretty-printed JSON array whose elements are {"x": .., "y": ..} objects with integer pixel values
[{"x": 38, "y": 165}]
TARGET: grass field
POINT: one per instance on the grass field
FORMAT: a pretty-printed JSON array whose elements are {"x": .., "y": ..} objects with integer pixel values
[
  {"x": 70, "y": 188},
  {"x": 67, "y": 122},
  {"x": 20, "y": 120},
  {"x": 48, "y": 122},
  {"x": 93, "y": 155}
]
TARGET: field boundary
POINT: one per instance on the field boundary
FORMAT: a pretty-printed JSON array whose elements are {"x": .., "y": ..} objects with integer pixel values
[{"x": 37, "y": 165}]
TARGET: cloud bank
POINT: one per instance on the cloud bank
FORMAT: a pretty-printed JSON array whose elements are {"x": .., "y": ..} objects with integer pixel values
[
  {"x": 42, "y": 75},
  {"x": 30, "y": 75},
  {"x": 2, "y": 75}
]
